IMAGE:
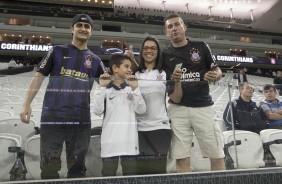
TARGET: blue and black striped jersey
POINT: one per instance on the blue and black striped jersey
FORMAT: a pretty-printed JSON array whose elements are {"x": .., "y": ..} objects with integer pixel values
[{"x": 72, "y": 72}]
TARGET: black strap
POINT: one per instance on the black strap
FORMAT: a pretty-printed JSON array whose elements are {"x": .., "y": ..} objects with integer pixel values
[
  {"x": 238, "y": 142},
  {"x": 229, "y": 162},
  {"x": 277, "y": 141}
]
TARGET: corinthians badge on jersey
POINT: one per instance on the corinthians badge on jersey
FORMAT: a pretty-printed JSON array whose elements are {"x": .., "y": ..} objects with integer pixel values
[
  {"x": 195, "y": 56},
  {"x": 88, "y": 62},
  {"x": 160, "y": 77},
  {"x": 130, "y": 96}
]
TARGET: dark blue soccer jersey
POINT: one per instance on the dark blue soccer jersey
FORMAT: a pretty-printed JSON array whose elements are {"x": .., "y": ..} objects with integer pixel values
[{"x": 72, "y": 72}]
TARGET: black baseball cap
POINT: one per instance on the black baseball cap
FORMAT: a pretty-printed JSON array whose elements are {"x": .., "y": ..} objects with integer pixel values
[{"x": 82, "y": 18}]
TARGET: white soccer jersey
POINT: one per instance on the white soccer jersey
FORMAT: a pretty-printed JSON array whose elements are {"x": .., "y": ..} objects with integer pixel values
[
  {"x": 153, "y": 89},
  {"x": 119, "y": 132}
]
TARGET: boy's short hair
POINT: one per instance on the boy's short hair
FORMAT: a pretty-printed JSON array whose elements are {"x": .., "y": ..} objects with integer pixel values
[
  {"x": 268, "y": 87},
  {"x": 117, "y": 59}
]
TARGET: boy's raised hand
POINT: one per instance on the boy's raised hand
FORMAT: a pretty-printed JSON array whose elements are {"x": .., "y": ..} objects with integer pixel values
[
  {"x": 104, "y": 79},
  {"x": 132, "y": 81}
]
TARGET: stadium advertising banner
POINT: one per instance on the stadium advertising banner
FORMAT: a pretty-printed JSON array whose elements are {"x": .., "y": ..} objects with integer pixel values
[
  {"x": 24, "y": 47},
  {"x": 233, "y": 58},
  {"x": 109, "y": 51},
  {"x": 242, "y": 59}
]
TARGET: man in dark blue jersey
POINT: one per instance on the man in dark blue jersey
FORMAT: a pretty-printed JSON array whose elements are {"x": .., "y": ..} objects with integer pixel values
[
  {"x": 190, "y": 108},
  {"x": 66, "y": 108}
]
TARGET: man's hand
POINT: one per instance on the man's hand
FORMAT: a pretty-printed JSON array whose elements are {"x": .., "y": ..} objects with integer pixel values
[
  {"x": 25, "y": 114},
  {"x": 176, "y": 75},
  {"x": 211, "y": 76},
  {"x": 130, "y": 53}
]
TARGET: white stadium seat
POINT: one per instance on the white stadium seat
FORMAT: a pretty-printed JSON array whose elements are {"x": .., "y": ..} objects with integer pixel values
[
  {"x": 15, "y": 126},
  {"x": 272, "y": 140},
  {"x": 32, "y": 159},
  {"x": 4, "y": 114},
  {"x": 249, "y": 149},
  {"x": 7, "y": 159},
  {"x": 36, "y": 116},
  {"x": 16, "y": 108}
]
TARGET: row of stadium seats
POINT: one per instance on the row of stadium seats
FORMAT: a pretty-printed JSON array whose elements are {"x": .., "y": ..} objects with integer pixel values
[
  {"x": 252, "y": 151},
  {"x": 249, "y": 150}
]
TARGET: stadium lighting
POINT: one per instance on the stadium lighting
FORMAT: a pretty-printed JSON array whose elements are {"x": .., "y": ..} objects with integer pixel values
[
  {"x": 252, "y": 14},
  {"x": 187, "y": 7},
  {"x": 164, "y": 5}
]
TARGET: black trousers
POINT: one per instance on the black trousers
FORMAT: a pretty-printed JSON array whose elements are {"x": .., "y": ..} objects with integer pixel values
[
  {"x": 52, "y": 137},
  {"x": 153, "y": 146}
]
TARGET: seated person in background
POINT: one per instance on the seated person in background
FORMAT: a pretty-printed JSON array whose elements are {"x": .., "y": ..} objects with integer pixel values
[
  {"x": 258, "y": 72},
  {"x": 19, "y": 64},
  {"x": 235, "y": 76},
  {"x": 272, "y": 107},
  {"x": 242, "y": 77},
  {"x": 12, "y": 64},
  {"x": 246, "y": 114},
  {"x": 277, "y": 81}
]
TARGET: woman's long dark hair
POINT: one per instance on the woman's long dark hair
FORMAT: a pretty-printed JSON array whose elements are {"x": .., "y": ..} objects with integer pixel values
[{"x": 158, "y": 64}]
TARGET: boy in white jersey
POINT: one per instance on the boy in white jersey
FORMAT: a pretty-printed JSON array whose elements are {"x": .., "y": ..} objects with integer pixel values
[{"x": 119, "y": 99}]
